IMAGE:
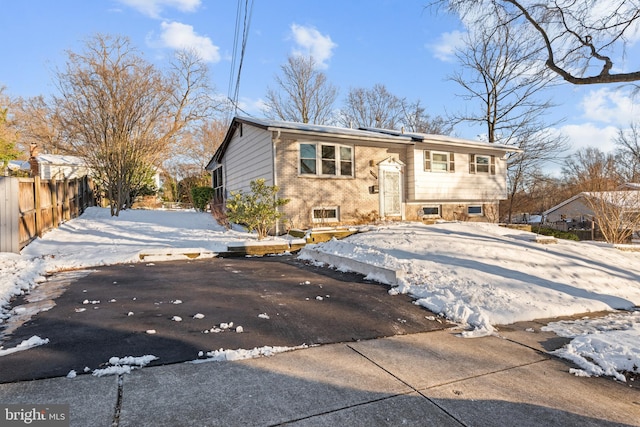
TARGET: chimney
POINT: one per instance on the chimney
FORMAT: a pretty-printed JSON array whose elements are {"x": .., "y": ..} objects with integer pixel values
[{"x": 33, "y": 162}]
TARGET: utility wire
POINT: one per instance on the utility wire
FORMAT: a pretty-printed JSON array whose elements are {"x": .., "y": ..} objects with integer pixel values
[{"x": 247, "y": 11}]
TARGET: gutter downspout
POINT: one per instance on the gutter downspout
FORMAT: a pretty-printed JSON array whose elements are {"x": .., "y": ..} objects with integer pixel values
[{"x": 274, "y": 174}]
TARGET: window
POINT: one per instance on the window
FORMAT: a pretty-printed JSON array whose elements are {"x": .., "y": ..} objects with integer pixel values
[
  {"x": 308, "y": 159},
  {"x": 474, "y": 210},
  {"x": 326, "y": 159},
  {"x": 217, "y": 184},
  {"x": 435, "y": 161},
  {"x": 431, "y": 210},
  {"x": 325, "y": 214},
  {"x": 482, "y": 164}
]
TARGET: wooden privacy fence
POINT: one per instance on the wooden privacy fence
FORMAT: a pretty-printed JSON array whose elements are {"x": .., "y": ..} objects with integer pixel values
[{"x": 30, "y": 206}]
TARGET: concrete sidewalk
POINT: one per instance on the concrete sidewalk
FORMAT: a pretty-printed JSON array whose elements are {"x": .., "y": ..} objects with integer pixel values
[{"x": 424, "y": 379}]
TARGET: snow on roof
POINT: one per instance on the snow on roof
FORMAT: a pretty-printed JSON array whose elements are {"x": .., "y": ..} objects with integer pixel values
[
  {"x": 624, "y": 199},
  {"x": 363, "y": 133},
  {"x": 332, "y": 130},
  {"x": 19, "y": 164},
  {"x": 58, "y": 159},
  {"x": 371, "y": 132},
  {"x": 631, "y": 185}
]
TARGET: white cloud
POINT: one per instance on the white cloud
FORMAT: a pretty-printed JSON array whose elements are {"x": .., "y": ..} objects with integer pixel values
[
  {"x": 313, "y": 43},
  {"x": 600, "y": 11},
  {"x": 153, "y": 8},
  {"x": 251, "y": 106},
  {"x": 589, "y": 135},
  {"x": 444, "y": 49},
  {"x": 176, "y": 35},
  {"x": 609, "y": 106}
]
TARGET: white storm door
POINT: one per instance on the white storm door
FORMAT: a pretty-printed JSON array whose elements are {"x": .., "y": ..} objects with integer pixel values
[{"x": 391, "y": 200}]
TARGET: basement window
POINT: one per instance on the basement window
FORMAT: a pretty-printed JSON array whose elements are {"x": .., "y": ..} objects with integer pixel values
[
  {"x": 474, "y": 210},
  {"x": 325, "y": 214},
  {"x": 431, "y": 211}
]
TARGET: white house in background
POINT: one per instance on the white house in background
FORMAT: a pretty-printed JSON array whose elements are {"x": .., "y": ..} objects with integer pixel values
[
  {"x": 60, "y": 167},
  {"x": 578, "y": 210},
  {"x": 336, "y": 175}
]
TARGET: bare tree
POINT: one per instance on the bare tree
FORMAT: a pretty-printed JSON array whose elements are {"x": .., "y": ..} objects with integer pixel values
[
  {"x": 121, "y": 113},
  {"x": 375, "y": 107},
  {"x": 304, "y": 94},
  {"x": 416, "y": 119},
  {"x": 617, "y": 213},
  {"x": 499, "y": 77},
  {"x": 628, "y": 152},
  {"x": 186, "y": 167},
  {"x": 8, "y": 134},
  {"x": 577, "y": 39},
  {"x": 37, "y": 123},
  {"x": 589, "y": 169}
]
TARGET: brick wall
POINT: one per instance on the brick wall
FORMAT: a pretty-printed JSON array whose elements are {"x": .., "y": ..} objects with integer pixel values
[{"x": 351, "y": 194}]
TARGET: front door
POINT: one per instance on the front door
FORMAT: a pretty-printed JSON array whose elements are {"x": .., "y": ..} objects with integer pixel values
[
  {"x": 392, "y": 204},
  {"x": 390, "y": 175}
]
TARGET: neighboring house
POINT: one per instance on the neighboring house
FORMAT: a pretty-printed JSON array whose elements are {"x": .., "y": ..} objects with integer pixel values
[
  {"x": 19, "y": 165},
  {"x": 336, "y": 175},
  {"x": 60, "y": 167},
  {"x": 631, "y": 186},
  {"x": 577, "y": 210}
]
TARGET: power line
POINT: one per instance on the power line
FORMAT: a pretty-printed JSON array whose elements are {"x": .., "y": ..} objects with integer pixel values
[{"x": 247, "y": 11}]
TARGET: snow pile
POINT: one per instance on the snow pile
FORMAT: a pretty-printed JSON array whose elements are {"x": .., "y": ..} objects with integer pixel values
[
  {"x": 223, "y": 327},
  {"x": 34, "y": 341},
  {"x": 608, "y": 346},
  {"x": 223, "y": 355},
  {"x": 481, "y": 275},
  {"x": 124, "y": 365},
  {"x": 18, "y": 274}
]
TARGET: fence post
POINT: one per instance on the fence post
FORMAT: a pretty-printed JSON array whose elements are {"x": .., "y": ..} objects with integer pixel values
[
  {"x": 66, "y": 214},
  {"x": 36, "y": 193},
  {"x": 54, "y": 203},
  {"x": 9, "y": 215}
]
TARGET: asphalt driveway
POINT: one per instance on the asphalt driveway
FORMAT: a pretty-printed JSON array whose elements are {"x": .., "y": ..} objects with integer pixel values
[{"x": 276, "y": 301}]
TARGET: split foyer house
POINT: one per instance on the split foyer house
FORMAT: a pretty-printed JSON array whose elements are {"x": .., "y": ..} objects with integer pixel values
[{"x": 336, "y": 175}]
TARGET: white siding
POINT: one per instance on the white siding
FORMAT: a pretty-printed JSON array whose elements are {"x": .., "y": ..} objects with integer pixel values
[
  {"x": 411, "y": 169},
  {"x": 459, "y": 185},
  {"x": 248, "y": 157}
]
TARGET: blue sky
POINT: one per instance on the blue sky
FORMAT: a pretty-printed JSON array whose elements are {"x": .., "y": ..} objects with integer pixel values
[{"x": 398, "y": 43}]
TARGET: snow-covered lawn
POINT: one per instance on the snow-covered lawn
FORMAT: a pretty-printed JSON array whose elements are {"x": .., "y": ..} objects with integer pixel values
[{"x": 478, "y": 275}]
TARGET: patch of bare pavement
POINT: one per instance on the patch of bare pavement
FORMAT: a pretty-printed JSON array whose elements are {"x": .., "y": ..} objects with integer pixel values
[{"x": 179, "y": 310}]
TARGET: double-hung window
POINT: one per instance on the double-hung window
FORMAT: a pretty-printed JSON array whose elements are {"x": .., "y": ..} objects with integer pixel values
[
  {"x": 479, "y": 163},
  {"x": 436, "y": 161},
  {"x": 218, "y": 184},
  {"x": 326, "y": 159}
]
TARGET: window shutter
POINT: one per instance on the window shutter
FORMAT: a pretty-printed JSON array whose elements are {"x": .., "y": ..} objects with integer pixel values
[
  {"x": 472, "y": 163},
  {"x": 493, "y": 165},
  {"x": 427, "y": 160},
  {"x": 452, "y": 162}
]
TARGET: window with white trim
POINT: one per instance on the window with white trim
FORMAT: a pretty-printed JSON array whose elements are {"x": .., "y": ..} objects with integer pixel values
[
  {"x": 474, "y": 210},
  {"x": 326, "y": 159},
  {"x": 325, "y": 214},
  {"x": 480, "y": 163},
  {"x": 437, "y": 161},
  {"x": 431, "y": 211}
]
